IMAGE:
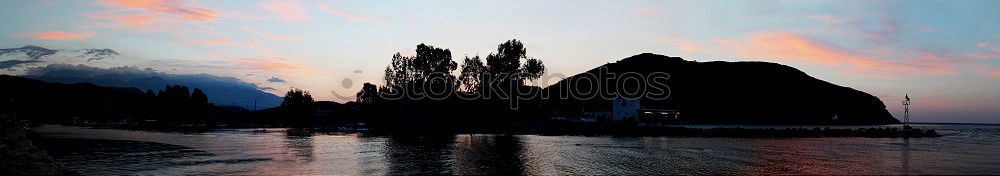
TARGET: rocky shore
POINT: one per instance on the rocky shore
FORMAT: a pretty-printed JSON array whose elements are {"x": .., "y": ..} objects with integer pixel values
[{"x": 18, "y": 156}]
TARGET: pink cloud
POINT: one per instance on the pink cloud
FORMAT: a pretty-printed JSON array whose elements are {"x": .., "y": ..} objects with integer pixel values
[
  {"x": 829, "y": 19},
  {"x": 988, "y": 45},
  {"x": 986, "y": 69},
  {"x": 168, "y": 7},
  {"x": 992, "y": 73},
  {"x": 288, "y": 10},
  {"x": 801, "y": 49},
  {"x": 211, "y": 42},
  {"x": 57, "y": 35},
  {"x": 351, "y": 16},
  {"x": 124, "y": 20},
  {"x": 278, "y": 37}
]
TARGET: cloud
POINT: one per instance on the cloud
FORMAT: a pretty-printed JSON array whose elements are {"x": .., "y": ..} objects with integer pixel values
[
  {"x": 288, "y": 10},
  {"x": 801, "y": 49},
  {"x": 57, "y": 35},
  {"x": 255, "y": 30},
  {"x": 276, "y": 80},
  {"x": 990, "y": 46},
  {"x": 283, "y": 65},
  {"x": 683, "y": 45},
  {"x": 166, "y": 7},
  {"x": 10, "y": 64},
  {"x": 689, "y": 46},
  {"x": 98, "y": 54},
  {"x": 124, "y": 20},
  {"x": 994, "y": 72},
  {"x": 350, "y": 16},
  {"x": 829, "y": 19},
  {"x": 29, "y": 52},
  {"x": 648, "y": 11},
  {"x": 211, "y": 42},
  {"x": 37, "y": 53}
]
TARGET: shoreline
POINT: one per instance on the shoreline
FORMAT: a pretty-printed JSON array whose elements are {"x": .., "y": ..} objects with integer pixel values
[
  {"x": 734, "y": 131},
  {"x": 22, "y": 157}
]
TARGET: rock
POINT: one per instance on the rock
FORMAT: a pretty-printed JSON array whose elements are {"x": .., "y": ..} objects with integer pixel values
[{"x": 19, "y": 157}]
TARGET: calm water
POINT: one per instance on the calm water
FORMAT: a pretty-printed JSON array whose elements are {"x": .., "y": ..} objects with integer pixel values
[{"x": 964, "y": 149}]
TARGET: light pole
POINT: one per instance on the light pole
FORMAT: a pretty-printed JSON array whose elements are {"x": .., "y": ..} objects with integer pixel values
[{"x": 906, "y": 112}]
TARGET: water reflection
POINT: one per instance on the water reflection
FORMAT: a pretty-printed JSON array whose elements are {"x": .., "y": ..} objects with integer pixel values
[
  {"x": 963, "y": 150},
  {"x": 410, "y": 155},
  {"x": 302, "y": 146},
  {"x": 905, "y": 160},
  {"x": 488, "y": 154}
]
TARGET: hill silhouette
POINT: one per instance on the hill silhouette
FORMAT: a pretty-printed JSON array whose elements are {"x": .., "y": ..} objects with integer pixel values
[
  {"x": 732, "y": 93},
  {"x": 221, "y": 90},
  {"x": 86, "y": 103}
]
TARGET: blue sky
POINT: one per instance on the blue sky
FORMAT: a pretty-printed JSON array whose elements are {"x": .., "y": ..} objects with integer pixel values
[{"x": 946, "y": 54}]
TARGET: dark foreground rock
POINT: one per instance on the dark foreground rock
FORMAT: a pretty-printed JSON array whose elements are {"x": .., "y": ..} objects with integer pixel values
[{"x": 18, "y": 156}]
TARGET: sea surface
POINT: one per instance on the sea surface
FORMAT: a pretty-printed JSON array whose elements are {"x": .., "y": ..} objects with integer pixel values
[{"x": 963, "y": 149}]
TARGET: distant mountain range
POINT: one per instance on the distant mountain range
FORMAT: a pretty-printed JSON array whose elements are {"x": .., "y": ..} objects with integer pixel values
[
  {"x": 736, "y": 93},
  {"x": 220, "y": 90}
]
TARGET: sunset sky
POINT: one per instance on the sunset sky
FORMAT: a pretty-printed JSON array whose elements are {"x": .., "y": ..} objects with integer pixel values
[{"x": 945, "y": 54}]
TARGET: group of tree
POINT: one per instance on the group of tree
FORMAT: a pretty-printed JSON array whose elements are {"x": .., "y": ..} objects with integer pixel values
[
  {"x": 429, "y": 71},
  {"x": 421, "y": 90},
  {"x": 178, "y": 103}
]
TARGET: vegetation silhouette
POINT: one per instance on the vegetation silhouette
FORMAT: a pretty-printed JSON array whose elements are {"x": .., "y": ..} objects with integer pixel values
[
  {"x": 422, "y": 95},
  {"x": 86, "y": 103}
]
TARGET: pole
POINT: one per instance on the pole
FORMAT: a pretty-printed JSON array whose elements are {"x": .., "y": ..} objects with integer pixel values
[
  {"x": 906, "y": 112},
  {"x": 255, "y": 104}
]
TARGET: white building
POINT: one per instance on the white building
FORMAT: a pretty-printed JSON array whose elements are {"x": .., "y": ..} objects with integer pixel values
[{"x": 624, "y": 109}]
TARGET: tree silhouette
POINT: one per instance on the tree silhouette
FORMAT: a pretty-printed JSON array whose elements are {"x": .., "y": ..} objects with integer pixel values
[
  {"x": 505, "y": 65},
  {"x": 199, "y": 97},
  {"x": 502, "y": 68},
  {"x": 297, "y": 98},
  {"x": 472, "y": 74},
  {"x": 398, "y": 74},
  {"x": 299, "y": 105},
  {"x": 368, "y": 94},
  {"x": 430, "y": 67},
  {"x": 533, "y": 69}
]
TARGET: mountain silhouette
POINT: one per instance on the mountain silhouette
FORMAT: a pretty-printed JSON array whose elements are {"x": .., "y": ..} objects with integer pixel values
[
  {"x": 731, "y": 93},
  {"x": 221, "y": 90}
]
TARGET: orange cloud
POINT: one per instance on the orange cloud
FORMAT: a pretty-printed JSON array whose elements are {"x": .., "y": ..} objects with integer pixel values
[
  {"x": 789, "y": 46},
  {"x": 683, "y": 45},
  {"x": 351, "y": 16},
  {"x": 796, "y": 48},
  {"x": 211, "y": 42},
  {"x": 171, "y": 7},
  {"x": 288, "y": 10},
  {"x": 284, "y": 65},
  {"x": 123, "y": 20},
  {"x": 689, "y": 47},
  {"x": 58, "y": 35}
]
